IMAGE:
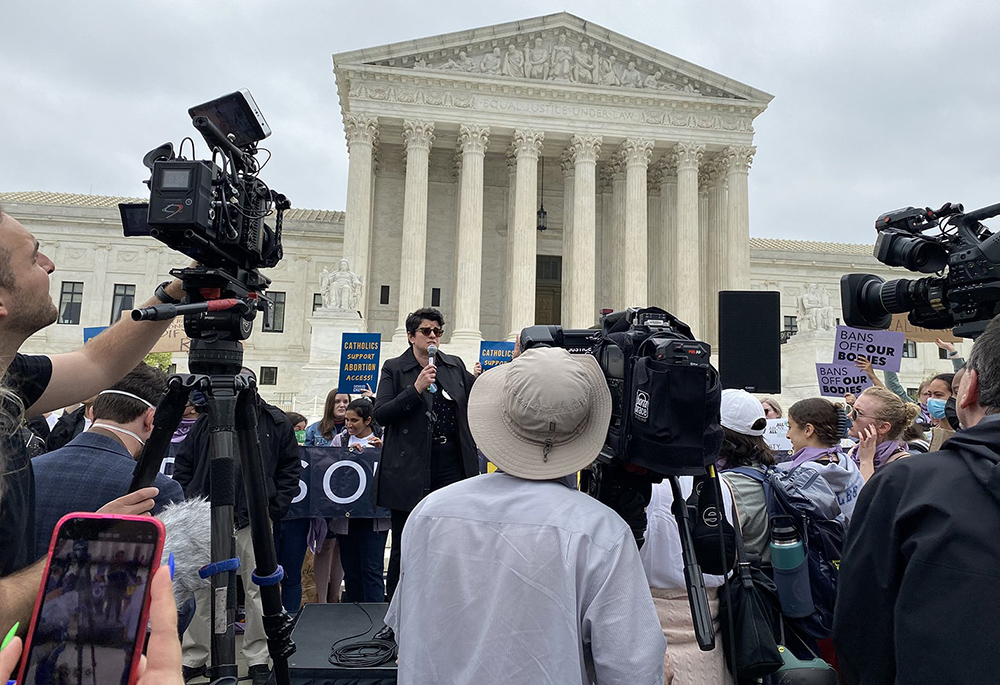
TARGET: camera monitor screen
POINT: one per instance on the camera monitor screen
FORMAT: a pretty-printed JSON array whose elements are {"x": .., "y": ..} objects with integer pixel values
[
  {"x": 92, "y": 604},
  {"x": 235, "y": 114}
]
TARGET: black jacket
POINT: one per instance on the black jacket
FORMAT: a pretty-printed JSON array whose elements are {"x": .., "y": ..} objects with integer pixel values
[
  {"x": 67, "y": 427},
  {"x": 919, "y": 586},
  {"x": 404, "y": 474},
  {"x": 279, "y": 453}
]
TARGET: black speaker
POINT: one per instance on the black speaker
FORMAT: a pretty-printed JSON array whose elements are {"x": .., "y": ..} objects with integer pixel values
[{"x": 750, "y": 340}]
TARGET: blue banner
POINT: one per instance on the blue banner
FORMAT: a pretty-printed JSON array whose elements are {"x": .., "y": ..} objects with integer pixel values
[
  {"x": 359, "y": 354},
  {"x": 336, "y": 482},
  {"x": 493, "y": 353},
  {"x": 91, "y": 331}
]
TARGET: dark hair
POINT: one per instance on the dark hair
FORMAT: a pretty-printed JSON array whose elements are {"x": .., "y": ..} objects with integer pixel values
[
  {"x": 744, "y": 450},
  {"x": 985, "y": 361},
  {"x": 295, "y": 418},
  {"x": 945, "y": 378},
  {"x": 824, "y": 416},
  {"x": 144, "y": 381},
  {"x": 429, "y": 313},
  {"x": 326, "y": 424},
  {"x": 362, "y": 407}
]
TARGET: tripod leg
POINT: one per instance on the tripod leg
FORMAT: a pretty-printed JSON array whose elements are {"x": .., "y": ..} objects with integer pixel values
[
  {"x": 277, "y": 623},
  {"x": 701, "y": 614},
  {"x": 165, "y": 421}
]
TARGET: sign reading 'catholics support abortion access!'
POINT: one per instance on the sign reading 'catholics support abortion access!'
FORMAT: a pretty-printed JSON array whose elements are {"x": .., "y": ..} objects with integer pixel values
[
  {"x": 494, "y": 353},
  {"x": 359, "y": 362},
  {"x": 884, "y": 349},
  {"x": 836, "y": 380}
]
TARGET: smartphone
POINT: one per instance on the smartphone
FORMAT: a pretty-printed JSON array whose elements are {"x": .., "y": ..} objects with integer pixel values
[{"x": 89, "y": 624}]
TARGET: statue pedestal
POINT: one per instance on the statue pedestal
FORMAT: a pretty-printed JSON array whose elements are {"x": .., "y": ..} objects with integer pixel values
[
  {"x": 799, "y": 357},
  {"x": 322, "y": 373}
]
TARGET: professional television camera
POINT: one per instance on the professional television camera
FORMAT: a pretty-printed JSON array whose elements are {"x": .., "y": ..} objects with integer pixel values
[
  {"x": 664, "y": 423},
  {"x": 213, "y": 211},
  {"x": 964, "y": 295}
]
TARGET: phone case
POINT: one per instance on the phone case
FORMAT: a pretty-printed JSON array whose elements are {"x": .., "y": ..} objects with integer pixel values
[{"x": 144, "y": 614}]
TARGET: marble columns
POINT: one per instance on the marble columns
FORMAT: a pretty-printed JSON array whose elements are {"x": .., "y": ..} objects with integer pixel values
[
  {"x": 619, "y": 259},
  {"x": 569, "y": 182},
  {"x": 521, "y": 238},
  {"x": 687, "y": 283},
  {"x": 717, "y": 257},
  {"x": 582, "y": 283},
  {"x": 635, "y": 154},
  {"x": 738, "y": 159},
  {"x": 656, "y": 237},
  {"x": 668, "y": 255},
  {"x": 418, "y": 137},
  {"x": 472, "y": 141},
  {"x": 362, "y": 136}
]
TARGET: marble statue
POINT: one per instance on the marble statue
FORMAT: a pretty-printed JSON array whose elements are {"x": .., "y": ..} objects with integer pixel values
[
  {"x": 561, "y": 61},
  {"x": 631, "y": 76},
  {"x": 464, "y": 63},
  {"x": 537, "y": 61},
  {"x": 340, "y": 289},
  {"x": 584, "y": 64},
  {"x": 513, "y": 62},
  {"x": 815, "y": 312},
  {"x": 492, "y": 62},
  {"x": 609, "y": 72}
]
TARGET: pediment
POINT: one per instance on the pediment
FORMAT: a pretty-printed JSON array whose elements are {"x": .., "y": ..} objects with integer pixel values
[{"x": 558, "y": 49}]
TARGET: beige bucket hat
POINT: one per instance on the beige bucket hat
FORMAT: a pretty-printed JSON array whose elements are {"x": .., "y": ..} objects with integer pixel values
[{"x": 542, "y": 416}]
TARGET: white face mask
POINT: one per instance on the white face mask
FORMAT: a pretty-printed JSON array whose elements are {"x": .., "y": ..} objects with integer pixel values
[{"x": 116, "y": 429}]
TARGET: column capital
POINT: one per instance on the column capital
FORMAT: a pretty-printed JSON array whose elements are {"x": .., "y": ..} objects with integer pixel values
[
  {"x": 738, "y": 157},
  {"x": 473, "y": 138},
  {"x": 528, "y": 143},
  {"x": 636, "y": 151},
  {"x": 566, "y": 163},
  {"x": 615, "y": 167},
  {"x": 585, "y": 148},
  {"x": 511, "y": 158},
  {"x": 705, "y": 177},
  {"x": 713, "y": 171},
  {"x": 360, "y": 128},
  {"x": 654, "y": 177},
  {"x": 667, "y": 165},
  {"x": 418, "y": 134},
  {"x": 687, "y": 155}
]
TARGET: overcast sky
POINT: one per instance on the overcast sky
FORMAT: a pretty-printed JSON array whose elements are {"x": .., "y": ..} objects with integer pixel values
[{"x": 877, "y": 105}]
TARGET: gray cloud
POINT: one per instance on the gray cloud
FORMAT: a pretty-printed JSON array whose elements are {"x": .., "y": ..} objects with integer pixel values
[{"x": 877, "y": 105}]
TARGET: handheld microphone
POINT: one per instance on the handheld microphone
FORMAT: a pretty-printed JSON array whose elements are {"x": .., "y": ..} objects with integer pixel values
[{"x": 432, "y": 350}]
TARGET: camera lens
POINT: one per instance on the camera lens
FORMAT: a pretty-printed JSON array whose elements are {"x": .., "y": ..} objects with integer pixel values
[{"x": 915, "y": 253}]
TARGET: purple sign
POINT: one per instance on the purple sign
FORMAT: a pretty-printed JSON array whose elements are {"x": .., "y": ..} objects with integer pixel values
[
  {"x": 836, "y": 380},
  {"x": 884, "y": 349}
]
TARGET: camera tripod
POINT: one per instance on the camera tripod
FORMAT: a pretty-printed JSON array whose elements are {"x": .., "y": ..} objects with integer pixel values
[{"x": 219, "y": 316}]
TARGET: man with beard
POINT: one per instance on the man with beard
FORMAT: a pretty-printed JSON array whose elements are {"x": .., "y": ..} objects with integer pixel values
[{"x": 34, "y": 384}]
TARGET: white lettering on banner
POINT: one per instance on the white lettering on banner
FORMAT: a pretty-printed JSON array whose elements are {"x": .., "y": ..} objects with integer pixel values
[
  {"x": 167, "y": 461},
  {"x": 303, "y": 488},
  {"x": 775, "y": 435},
  {"x": 362, "y": 482}
]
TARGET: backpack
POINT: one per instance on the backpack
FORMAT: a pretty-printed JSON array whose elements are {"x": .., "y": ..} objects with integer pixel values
[
  {"x": 805, "y": 498},
  {"x": 665, "y": 394}
]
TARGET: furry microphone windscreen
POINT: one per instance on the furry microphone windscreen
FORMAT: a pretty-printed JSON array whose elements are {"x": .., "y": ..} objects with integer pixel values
[{"x": 189, "y": 538}]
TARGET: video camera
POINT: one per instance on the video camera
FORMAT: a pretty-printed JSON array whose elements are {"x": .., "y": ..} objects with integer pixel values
[
  {"x": 665, "y": 392},
  {"x": 214, "y": 211},
  {"x": 964, "y": 295}
]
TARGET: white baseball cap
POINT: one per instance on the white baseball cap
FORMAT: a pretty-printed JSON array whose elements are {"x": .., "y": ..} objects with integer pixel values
[{"x": 741, "y": 412}]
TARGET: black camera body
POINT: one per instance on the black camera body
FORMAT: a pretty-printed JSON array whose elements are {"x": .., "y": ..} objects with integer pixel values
[
  {"x": 964, "y": 295},
  {"x": 665, "y": 395},
  {"x": 215, "y": 214}
]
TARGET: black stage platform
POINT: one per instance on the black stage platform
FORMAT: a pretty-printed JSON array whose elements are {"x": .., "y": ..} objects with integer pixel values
[{"x": 318, "y": 627}]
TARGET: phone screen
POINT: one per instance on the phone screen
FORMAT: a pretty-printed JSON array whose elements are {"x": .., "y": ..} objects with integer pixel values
[{"x": 89, "y": 614}]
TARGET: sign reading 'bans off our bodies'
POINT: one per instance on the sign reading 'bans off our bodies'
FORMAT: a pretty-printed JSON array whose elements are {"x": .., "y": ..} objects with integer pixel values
[
  {"x": 884, "y": 349},
  {"x": 836, "y": 380},
  {"x": 359, "y": 362}
]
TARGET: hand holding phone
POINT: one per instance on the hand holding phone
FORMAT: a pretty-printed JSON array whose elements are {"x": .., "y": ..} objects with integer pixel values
[{"x": 93, "y": 604}]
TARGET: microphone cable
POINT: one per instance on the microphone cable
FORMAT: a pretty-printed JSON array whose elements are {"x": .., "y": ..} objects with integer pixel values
[{"x": 364, "y": 653}]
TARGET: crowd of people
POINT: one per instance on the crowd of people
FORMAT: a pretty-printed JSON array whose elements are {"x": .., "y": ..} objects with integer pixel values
[{"x": 515, "y": 575}]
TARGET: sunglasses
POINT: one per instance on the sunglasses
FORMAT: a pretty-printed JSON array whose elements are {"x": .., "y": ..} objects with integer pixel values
[
  {"x": 427, "y": 330},
  {"x": 855, "y": 414}
]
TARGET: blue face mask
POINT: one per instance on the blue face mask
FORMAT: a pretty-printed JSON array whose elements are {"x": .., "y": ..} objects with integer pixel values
[{"x": 935, "y": 407}]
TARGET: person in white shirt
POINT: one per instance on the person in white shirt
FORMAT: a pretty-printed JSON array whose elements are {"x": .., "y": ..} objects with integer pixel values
[{"x": 515, "y": 576}]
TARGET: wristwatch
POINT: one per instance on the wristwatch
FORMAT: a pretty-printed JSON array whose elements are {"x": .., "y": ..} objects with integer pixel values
[{"x": 163, "y": 296}]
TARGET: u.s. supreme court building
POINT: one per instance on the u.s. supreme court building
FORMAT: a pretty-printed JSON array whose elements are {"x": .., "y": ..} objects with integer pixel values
[{"x": 529, "y": 172}]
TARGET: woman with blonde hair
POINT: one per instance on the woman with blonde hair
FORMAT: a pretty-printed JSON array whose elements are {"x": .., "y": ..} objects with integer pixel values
[{"x": 880, "y": 417}]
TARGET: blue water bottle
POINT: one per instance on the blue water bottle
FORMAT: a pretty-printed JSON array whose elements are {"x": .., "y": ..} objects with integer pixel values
[{"x": 791, "y": 568}]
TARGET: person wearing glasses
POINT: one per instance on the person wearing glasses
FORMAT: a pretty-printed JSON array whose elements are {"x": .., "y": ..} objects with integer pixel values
[
  {"x": 423, "y": 408},
  {"x": 879, "y": 418},
  {"x": 772, "y": 410}
]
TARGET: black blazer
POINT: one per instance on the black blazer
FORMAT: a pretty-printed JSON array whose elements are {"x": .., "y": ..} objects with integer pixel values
[{"x": 404, "y": 474}]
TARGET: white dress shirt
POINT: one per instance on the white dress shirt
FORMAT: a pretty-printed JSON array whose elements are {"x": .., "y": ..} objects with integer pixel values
[{"x": 506, "y": 580}]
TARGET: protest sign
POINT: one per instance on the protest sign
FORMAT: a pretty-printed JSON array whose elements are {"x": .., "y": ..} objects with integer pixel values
[
  {"x": 92, "y": 331},
  {"x": 884, "y": 349},
  {"x": 174, "y": 339},
  {"x": 336, "y": 482},
  {"x": 359, "y": 362},
  {"x": 494, "y": 353},
  {"x": 901, "y": 324},
  {"x": 774, "y": 435},
  {"x": 836, "y": 380}
]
